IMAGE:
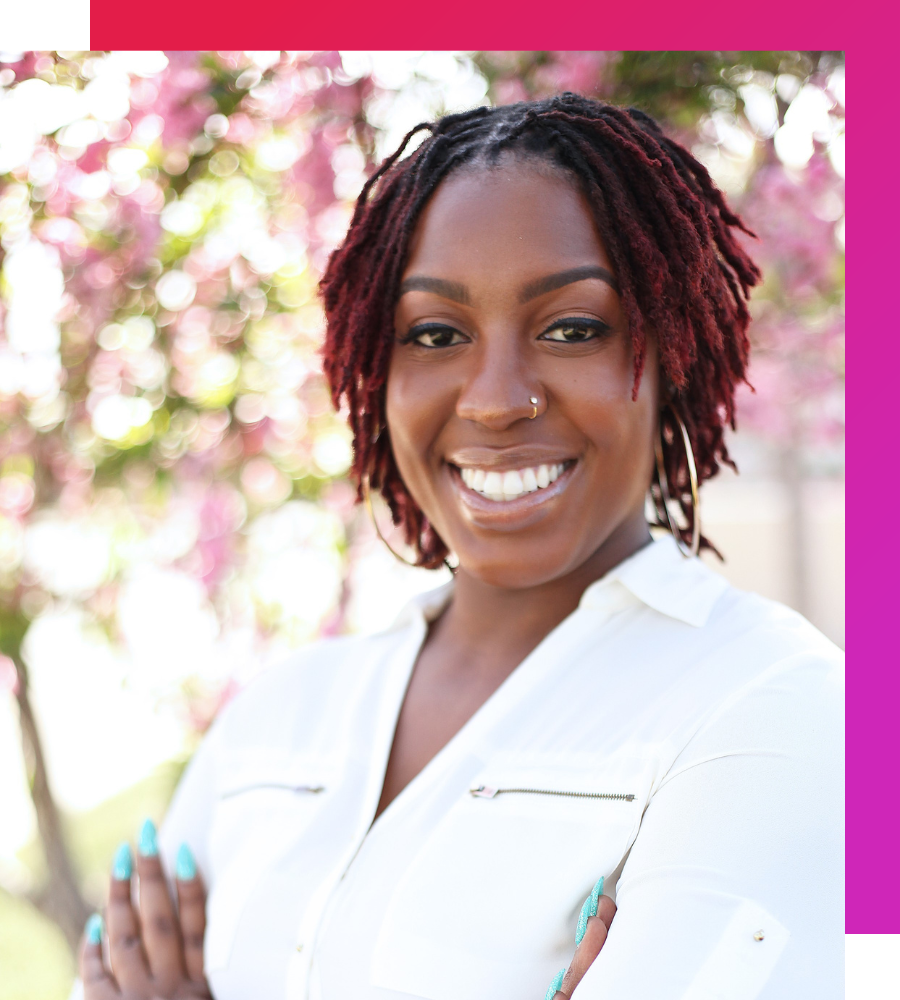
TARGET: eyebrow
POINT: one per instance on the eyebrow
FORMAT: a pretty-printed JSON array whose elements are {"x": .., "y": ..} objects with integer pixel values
[
  {"x": 452, "y": 290},
  {"x": 553, "y": 281},
  {"x": 457, "y": 292}
]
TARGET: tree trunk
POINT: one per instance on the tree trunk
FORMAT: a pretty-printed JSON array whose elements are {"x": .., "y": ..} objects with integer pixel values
[{"x": 60, "y": 899}]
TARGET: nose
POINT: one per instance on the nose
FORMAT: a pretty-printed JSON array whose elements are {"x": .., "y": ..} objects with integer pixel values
[{"x": 499, "y": 388}]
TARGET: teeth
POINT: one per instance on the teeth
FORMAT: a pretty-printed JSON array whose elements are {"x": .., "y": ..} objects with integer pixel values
[
  {"x": 513, "y": 483},
  {"x": 493, "y": 485}
]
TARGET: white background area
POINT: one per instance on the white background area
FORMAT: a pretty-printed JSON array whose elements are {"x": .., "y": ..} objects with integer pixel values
[
  {"x": 45, "y": 25},
  {"x": 873, "y": 966}
]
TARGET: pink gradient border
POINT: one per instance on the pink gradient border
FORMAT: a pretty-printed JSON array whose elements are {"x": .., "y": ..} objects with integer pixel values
[
  {"x": 873, "y": 807},
  {"x": 873, "y": 473}
]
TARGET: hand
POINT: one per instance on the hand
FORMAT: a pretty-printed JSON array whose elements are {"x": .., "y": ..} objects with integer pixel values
[
  {"x": 593, "y": 926},
  {"x": 154, "y": 953}
]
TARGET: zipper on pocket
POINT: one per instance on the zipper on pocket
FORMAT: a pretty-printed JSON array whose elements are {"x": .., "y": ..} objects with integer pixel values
[
  {"x": 311, "y": 789},
  {"x": 486, "y": 792}
]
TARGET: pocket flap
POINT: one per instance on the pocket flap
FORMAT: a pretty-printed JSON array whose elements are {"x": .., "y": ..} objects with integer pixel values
[
  {"x": 264, "y": 769},
  {"x": 622, "y": 779}
]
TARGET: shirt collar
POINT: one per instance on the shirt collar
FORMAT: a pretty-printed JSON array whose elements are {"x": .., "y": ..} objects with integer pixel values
[
  {"x": 658, "y": 575},
  {"x": 424, "y": 608}
]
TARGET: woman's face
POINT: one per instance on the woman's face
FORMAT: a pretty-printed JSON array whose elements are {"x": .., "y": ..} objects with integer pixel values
[{"x": 509, "y": 293}]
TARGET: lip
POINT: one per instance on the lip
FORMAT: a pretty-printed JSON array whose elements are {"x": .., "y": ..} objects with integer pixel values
[
  {"x": 510, "y": 514},
  {"x": 505, "y": 459}
]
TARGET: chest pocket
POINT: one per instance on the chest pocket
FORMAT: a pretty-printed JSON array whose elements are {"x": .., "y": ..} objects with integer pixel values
[
  {"x": 265, "y": 802},
  {"x": 489, "y": 905}
]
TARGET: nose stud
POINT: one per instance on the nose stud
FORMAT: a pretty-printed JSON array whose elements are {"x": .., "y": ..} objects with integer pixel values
[{"x": 534, "y": 402}]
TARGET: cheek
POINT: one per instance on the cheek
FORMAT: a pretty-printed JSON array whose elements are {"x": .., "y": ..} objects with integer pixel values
[
  {"x": 603, "y": 386},
  {"x": 598, "y": 399},
  {"x": 416, "y": 408}
]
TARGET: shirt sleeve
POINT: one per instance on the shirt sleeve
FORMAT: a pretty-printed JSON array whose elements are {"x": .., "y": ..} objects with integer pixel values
[
  {"x": 734, "y": 886},
  {"x": 189, "y": 815}
]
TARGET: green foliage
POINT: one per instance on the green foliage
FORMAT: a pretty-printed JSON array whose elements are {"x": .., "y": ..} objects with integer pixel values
[{"x": 35, "y": 961}]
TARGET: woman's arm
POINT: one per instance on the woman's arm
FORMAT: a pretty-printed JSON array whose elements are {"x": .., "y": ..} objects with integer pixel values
[
  {"x": 189, "y": 815},
  {"x": 734, "y": 886}
]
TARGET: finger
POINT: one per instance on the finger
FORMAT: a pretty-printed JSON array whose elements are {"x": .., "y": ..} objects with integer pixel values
[
  {"x": 588, "y": 909},
  {"x": 553, "y": 990},
  {"x": 159, "y": 925},
  {"x": 191, "y": 911},
  {"x": 594, "y": 921},
  {"x": 606, "y": 910},
  {"x": 126, "y": 954},
  {"x": 593, "y": 940},
  {"x": 98, "y": 984}
]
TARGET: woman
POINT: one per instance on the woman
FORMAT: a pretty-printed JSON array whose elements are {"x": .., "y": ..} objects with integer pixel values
[{"x": 536, "y": 316}]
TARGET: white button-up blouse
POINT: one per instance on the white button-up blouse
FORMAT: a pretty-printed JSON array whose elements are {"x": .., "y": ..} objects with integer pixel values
[{"x": 679, "y": 737}]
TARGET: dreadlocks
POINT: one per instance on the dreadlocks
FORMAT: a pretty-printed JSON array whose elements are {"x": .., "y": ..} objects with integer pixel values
[{"x": 668, "y": 231}]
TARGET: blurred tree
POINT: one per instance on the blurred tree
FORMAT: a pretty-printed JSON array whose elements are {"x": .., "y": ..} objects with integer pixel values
[{"x": 163, "y": 222}]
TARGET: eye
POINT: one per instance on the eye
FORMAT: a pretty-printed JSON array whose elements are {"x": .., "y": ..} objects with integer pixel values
[
  {"x": 575, "y": 330},
  {"x": 432, "y": 335}
]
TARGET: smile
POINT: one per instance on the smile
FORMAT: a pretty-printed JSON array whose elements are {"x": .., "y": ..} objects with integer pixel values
[{"x": 511, "y": 483}]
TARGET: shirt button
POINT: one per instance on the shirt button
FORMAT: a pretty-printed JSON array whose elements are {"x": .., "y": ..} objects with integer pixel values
[{"x": 758, "y": 936}]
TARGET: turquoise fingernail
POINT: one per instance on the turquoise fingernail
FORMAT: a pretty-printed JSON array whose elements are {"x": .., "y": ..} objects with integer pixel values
[
  {"x": 93, "y": 929},
  {"x": 596, "y": 893},
  {"x": 588, "y": 910},
  {"x": 556, "y": 985},
  {"x": 147, "y": 846},
  {"x": 185, "y": 869},
  {"x": 121, "y": 868},
  {"x": 582, "y": 921}
]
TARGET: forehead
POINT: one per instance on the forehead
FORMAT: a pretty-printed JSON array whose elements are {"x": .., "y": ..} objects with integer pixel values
[{"x": 512, "y": 217}]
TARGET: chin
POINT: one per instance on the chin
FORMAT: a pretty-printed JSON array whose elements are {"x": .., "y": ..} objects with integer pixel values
[{"x": 516, "y": 567}]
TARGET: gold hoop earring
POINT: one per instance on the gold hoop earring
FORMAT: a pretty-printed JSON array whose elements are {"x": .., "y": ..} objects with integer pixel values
[
  {"x": 534, "y": 402},
  {"x": 367, "y": 497},
  {"x": 694, "y": 548}
]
